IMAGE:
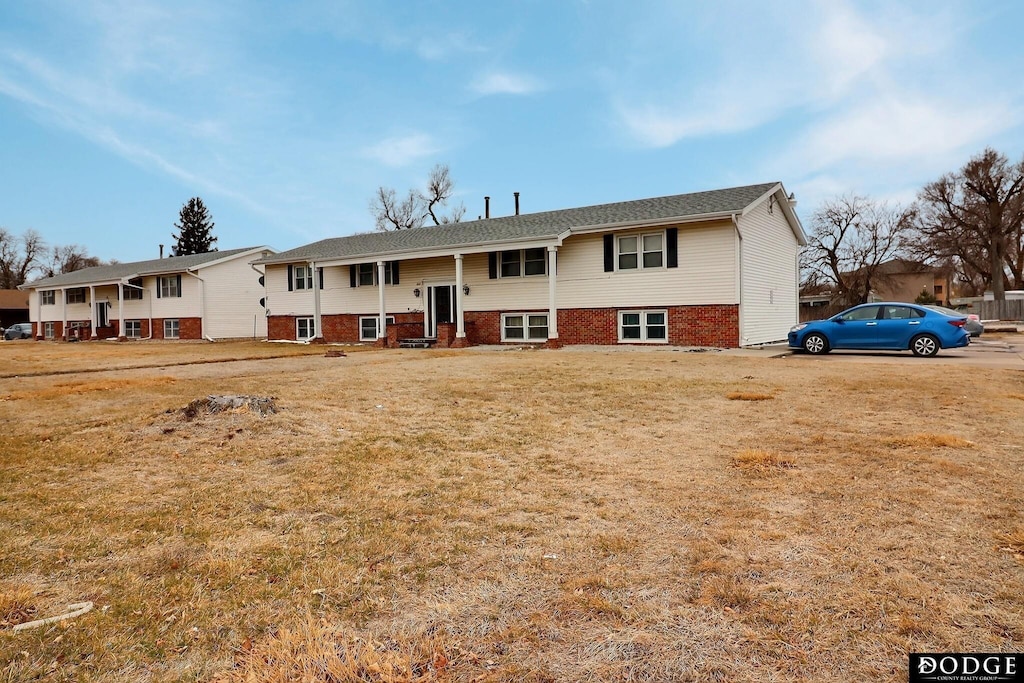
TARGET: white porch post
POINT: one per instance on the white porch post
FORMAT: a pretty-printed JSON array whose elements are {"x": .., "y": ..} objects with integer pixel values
[
  {"x": 460, "y": 319},
  {"x": 552, "y": 307},
  {"x": 92, "y": 311},
  {"x": 39, "y": 315},
  {"x": 318, "y": 330},
  {"x": 382, "y": 320},
  {"x": 64, "y": 313},
  {"x": 120, "y": 311}
]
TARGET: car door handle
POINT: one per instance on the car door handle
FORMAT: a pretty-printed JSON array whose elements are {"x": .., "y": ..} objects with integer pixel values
[
  {"x": 872, "y": 324},
  {"x": 914, "y": 322}
]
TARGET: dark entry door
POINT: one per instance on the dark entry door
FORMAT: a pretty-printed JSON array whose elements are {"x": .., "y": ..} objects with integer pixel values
[{"x": 440, "y": 307}]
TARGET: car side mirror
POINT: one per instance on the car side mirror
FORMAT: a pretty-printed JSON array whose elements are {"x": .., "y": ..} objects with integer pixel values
[{"x": 838, "y": 319}]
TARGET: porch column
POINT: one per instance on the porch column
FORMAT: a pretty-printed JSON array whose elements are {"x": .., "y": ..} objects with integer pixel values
[
  {"x": 64, "y": 313},
  {"x": 121, "y": 336},
  {"x": 39, "y": 315},
  {"x": 552, "y": 307},
  {"x": 318, "y": 330},
  {"x": 382, "y": 332},
  {"x": 460, "y": 320},
  {"x": 92, "y": 312}
]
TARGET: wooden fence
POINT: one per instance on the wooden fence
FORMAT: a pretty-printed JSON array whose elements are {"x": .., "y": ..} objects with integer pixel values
[{"x": 1000, "y": 310}]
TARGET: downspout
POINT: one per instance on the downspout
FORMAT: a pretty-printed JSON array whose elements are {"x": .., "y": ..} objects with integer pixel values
[
  {"x": 739, "y": 274},
  {"x": 128, "y": 284},
  {"x": 266, "y": 298},
  {"x": 202, "y": 304}
]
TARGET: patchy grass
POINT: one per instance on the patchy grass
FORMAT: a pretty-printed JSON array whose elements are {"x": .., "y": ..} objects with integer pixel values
[
  {"x": 493, "y": 516},
  {"x": 755, "y": 459},
  {"x": 748, "y": 396}
]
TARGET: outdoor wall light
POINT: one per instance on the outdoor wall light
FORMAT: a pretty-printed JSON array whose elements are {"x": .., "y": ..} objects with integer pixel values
[
  {"x": 416, "y": 292},
  {"x": 465, "y": 289}
]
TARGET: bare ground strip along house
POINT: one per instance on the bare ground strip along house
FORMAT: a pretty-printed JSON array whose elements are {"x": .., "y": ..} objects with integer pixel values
[
  {"x": 715, "y": 268},
  {"x": 214, "y": 295}
]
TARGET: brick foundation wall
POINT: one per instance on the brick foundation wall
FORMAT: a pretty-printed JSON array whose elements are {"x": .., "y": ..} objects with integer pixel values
[{"x": 709, "y": 325}]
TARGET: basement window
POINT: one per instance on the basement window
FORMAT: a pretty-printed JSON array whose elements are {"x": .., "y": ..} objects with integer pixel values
[
  {"x": 368, "y": 326},
  {"x": 171, "y": 328},
  {"x": 304, "y": 329},
  {"x": 528, "y": 327},
  {"x": 643, "y": 326}
]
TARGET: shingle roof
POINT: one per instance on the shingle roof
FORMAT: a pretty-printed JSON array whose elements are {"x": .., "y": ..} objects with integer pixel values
[
  {"x": 116, "y": 271},
  {"x": 543, "y": 225}
]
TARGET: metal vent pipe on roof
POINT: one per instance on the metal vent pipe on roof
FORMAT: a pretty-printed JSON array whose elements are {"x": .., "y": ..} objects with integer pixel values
[
  {"x": 161, "y": 251},
  {"x": 487, "y": 207},
  {"x": 517, "y": 202}
]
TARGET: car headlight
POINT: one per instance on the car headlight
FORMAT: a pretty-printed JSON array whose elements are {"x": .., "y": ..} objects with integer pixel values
[{"x": 797, "y": 328}]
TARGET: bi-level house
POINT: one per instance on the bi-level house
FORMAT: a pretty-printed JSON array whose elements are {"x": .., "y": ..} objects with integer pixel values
[
  {"x": 714, "y": 268},
  {"x": 202, "y": 296}
]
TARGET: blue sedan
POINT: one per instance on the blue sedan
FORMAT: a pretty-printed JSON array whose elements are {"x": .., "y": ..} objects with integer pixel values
[{"x": 883, "y": 326}]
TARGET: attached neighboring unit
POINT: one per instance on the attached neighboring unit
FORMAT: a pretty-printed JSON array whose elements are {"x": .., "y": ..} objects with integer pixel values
[
  {"x": 216, "y": 295},
  {"x": 714, "y": 268}
]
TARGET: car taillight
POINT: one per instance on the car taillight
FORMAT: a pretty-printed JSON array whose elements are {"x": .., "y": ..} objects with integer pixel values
[{"x": 957, "y": 323}]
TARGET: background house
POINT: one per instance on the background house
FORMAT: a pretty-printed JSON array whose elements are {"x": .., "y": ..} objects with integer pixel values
[
  {"x": 214, "y": 295},
  {"x": 13, "y": 307}
]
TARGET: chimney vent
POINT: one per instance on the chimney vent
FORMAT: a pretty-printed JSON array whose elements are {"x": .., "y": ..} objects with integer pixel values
[
  {"x": 161, "y": 251},
  {"x": 487, "y": 207},
  {"x": 517, "y": 202}
]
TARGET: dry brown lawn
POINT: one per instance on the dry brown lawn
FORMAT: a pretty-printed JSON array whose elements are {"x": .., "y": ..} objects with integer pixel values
[{"x": 496, "y": 516}]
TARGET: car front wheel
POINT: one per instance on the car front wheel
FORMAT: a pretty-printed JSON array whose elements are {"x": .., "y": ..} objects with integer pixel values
[
  {"x": 815, "y": 344},
  {"x": 924, "y": 345}
]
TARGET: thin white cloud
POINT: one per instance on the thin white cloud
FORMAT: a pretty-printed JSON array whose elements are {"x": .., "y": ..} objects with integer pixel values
[
  {"x": 402, "y": 150},
  {"x": 505, "y": 83}
]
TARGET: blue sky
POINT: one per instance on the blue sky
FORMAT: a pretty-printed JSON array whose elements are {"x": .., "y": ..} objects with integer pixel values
[{"x": 286, "y": 116}]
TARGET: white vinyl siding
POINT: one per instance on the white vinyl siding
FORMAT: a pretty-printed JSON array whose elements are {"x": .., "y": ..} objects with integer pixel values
[
  {"x": 232, "y": 293},
  {"x": 770, "y": 299}
]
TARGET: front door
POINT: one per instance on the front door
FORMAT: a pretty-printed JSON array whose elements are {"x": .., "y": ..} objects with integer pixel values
[
  {"x": 101, "y": 314},
  {"x": 440, "y": 307}
]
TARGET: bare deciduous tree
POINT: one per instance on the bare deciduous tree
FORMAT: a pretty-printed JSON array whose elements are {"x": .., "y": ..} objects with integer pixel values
[
  {"x": 851, "y": 237},
  {"x": 413, "y": 210},
  {"x": 68, "y": 259},
  {"x": 975, "y": 217},
  {"x": 19, "y": 256}
]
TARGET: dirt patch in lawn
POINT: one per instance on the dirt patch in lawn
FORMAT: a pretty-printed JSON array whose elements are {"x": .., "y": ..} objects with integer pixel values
[{"x": 477, "y": 516}]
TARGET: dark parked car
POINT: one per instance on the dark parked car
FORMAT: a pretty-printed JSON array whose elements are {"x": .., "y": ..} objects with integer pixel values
[
  {"x": 18, "y": 331},
  {"x": 973, "y": 326},
  {"x": 893, "y": 326}
]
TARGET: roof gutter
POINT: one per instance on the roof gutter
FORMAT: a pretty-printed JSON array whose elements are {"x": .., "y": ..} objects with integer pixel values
[{"x": 739, "y": 273}]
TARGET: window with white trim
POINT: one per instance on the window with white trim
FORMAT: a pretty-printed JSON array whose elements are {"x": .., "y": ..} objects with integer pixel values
[
  {"x": 171, "y": 328},
  {"x": 168, "y": 285},
  {"x": 526, "y": 327},
  {"x": 523, "y": 262},
  {"x": 302, "y": 277},
  {"x": 304, "y": 328},
  {"x": 75, "y": 296},
  {"x": 133, "y": 290},
  {"x": 643, "y": 326},
  {"x": 636, "y": 252},
  {"x": 366, "y": 274},
  {"x": 48, "y": 297},
  {"x": 48, "y": 330},
  {"x": 368, "y": 326},
  {"x": 133, "y": 329}
]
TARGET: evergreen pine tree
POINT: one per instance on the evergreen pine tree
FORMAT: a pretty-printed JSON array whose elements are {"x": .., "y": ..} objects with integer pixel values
[{"x": 195, "y": 229}]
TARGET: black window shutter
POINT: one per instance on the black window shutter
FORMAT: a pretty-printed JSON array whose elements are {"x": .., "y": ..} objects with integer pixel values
[
  {"x": 179, "y": 284},
  {"x": 320, "y": 275},
  {"x": 291, "y": 273},
  {"x": 352, "y": 275},
  {"x": 671, "y": 241},
  {"x": 394, "y": 272},
  {"x": 492, "y": 265},
  {"x": 158, "y": 287},
  {"x": 609, "y": 253}
]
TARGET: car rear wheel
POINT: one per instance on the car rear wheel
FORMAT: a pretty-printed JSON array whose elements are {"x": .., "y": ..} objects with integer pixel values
[
  {"x": 815, "y": 343},
  {"x": 924, "y": 345}
]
